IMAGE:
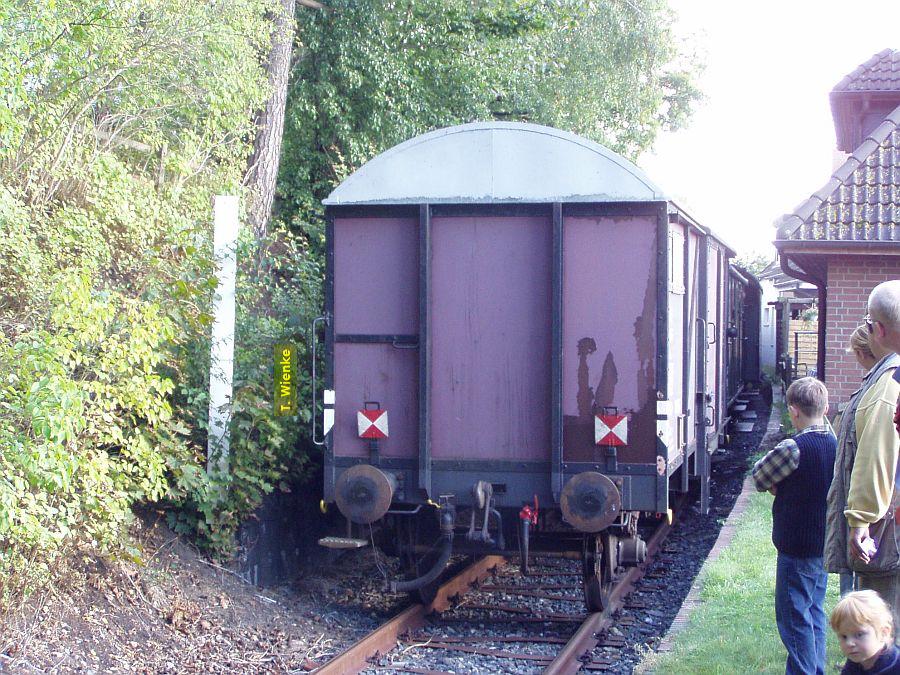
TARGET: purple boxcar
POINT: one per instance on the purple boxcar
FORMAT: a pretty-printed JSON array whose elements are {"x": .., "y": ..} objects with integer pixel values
[{"x": 494, "y": 287}]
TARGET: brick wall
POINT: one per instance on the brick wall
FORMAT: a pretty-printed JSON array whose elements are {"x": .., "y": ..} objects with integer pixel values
[{"x": 850, "y": 278}]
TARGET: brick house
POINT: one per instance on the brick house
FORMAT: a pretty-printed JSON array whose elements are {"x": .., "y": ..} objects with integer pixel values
[{"x": 845, "y": 238}]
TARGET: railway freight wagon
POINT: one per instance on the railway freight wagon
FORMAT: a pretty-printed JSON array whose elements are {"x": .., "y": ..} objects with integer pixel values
[
  {"x": 744, "y": 300},
  {"x": 524, "y": 348}
]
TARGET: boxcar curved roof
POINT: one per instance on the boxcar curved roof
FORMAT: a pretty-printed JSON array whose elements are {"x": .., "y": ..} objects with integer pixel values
[{"x": 496, "y": 162}]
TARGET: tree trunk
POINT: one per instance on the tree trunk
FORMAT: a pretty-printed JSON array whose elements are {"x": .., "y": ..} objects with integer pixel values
[{"x": 262, "y": 168}]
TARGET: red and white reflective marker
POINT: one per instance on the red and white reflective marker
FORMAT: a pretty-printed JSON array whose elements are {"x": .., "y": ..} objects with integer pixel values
[
  {"x": 328, "y": 411},
  {"x": 611, "y": 429},
  {"x": 372, "y": 423}
]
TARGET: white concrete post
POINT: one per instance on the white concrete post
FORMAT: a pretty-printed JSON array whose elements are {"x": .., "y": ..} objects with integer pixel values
[{"x": 225, "y": 216}]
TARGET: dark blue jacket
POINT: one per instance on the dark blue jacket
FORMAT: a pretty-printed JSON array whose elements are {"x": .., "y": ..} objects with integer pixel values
[
  {"x": 886, "y": 664},
  {"x": 798, "y": 513}
]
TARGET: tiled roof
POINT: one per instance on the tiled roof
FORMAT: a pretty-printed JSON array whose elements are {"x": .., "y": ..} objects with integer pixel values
[
  {"x": 782, "y": 282},
  {"x": 772, "y": 269},
  {"x": 880, "y": 73},
  {"x": 861, "y": 202}
]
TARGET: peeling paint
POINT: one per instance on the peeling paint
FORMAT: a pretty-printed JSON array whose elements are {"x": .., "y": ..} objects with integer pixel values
[
  {"x": 645, "y": 339},
  {"x": 606, "y": 390},
  {"x": 585, "y": 395}
]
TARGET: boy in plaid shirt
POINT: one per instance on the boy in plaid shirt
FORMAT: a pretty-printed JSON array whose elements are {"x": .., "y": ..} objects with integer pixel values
[{"x": 798, "y": 471}]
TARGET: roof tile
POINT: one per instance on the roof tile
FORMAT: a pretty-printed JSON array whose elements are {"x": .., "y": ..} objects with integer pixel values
[
  {"x": 879, "y": 73},
  {"x": 861, "y": 201}
]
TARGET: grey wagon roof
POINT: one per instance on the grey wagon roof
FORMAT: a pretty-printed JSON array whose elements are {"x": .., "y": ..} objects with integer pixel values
[{"x": 496, "y": 162}]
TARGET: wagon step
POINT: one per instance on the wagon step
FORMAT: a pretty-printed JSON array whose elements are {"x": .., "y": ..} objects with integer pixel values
[{"x": 342, "y": 542}]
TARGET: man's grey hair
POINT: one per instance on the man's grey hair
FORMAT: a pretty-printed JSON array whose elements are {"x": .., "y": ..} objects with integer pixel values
[{"x": 884, "y": 303}]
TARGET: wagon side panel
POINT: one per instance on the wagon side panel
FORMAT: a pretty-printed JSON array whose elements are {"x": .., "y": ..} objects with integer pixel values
[
  {"x": 713, "y": 346},
  {"x": 751, "y": 321},
  {"x": 736, "y": 342},
  {"x": 376, "y": 276},
  {"x": 722, "y": 338},
  {"x": 676, "y": 345},
  {"x": 375, "y": 332},
  {"x": 692, "y": 295},
  {"x": 716, "y": 317},
  {"x": 609, "y": 342}
]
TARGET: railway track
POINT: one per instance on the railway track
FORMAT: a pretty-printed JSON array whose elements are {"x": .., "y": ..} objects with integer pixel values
[{"x": 490, "y": 619}]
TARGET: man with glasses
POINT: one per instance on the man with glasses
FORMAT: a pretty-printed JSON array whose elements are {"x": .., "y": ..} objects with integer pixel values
[
  {"x": 883, "y": 322},
  {"x": 872, "y": 501}
]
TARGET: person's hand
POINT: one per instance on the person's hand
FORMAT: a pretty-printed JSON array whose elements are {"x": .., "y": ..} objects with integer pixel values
[{"x": 855, "y": 543}]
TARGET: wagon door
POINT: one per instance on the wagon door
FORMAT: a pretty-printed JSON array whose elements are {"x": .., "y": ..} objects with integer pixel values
[
  {"x": 374, "y": 263},
  {"x": 715, "y": 371},
  {"x": 677, "y": 337},
  {"x": 489, "y": 350},
  {"x": 610, "y": 344},
  {"x": 693, "y": 403}
]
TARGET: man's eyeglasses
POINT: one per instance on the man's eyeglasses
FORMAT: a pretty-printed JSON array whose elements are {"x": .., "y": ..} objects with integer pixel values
[{"x": 870, "y": 324}]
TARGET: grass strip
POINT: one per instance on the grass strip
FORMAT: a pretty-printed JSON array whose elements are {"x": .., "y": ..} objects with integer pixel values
[{"x": 733, "y": 628}]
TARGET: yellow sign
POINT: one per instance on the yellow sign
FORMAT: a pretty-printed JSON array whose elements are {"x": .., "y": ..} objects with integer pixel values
[{"x": 285, "y": 379}]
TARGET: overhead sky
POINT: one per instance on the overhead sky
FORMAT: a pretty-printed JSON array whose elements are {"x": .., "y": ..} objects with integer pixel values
[{"x": 763, "y": 140}]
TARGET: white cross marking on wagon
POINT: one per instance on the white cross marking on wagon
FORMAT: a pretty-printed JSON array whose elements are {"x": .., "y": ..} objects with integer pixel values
[
  {"x": 611, "y": 429},
  {"x": 372, "y": 423}
]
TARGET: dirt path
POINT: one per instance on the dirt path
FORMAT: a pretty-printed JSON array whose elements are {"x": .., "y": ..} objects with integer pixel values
[{"x": 177, "y": 613}]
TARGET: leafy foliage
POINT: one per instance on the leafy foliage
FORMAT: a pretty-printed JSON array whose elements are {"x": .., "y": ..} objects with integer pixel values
[
  {"x": 121, "y": 120},
  {"x": 273, "y": 305},
  {"x": 87, "y": 427},
  {"x": 755, "y": 262},
  {"x": 373, "y": 73},
  {"x": 84, "y": 78}
]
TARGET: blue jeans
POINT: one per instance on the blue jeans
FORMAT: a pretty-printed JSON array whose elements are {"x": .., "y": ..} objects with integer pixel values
[
  {"x": 799, "y": 613},
  {"x": 847, "y": 583}
]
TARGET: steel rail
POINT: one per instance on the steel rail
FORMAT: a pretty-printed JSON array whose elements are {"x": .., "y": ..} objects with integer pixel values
[
  {"x": 575, "y": 655},
  {"x": 384, "y": 638}
]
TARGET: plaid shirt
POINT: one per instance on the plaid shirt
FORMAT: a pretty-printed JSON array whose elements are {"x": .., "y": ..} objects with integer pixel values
[{"x": 781, "y": 461}]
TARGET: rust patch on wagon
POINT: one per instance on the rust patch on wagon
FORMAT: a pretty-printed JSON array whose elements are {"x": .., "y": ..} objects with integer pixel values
[
  {"x": 578, "y": 430},
  {"x": 585, "y": 395},
  {"x": 606, "y": 389},
  {"x": 642, "y": 437},
  {"x": 645, "y": 339}
]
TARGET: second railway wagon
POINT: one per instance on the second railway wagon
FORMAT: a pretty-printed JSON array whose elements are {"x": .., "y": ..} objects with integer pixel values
[{"x": 525, "y": 346}]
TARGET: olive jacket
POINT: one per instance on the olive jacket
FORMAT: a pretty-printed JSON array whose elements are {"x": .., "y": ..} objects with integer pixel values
[{"x": 863, "y": 496}]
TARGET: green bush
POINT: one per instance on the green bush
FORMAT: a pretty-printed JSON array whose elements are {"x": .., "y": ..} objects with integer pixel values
[
  {"x": 120, "y": 121},
  {"x": 22, "y": 294},
  {"x": 276, "y": 302},
  {"x": 88, "y": 428}
]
